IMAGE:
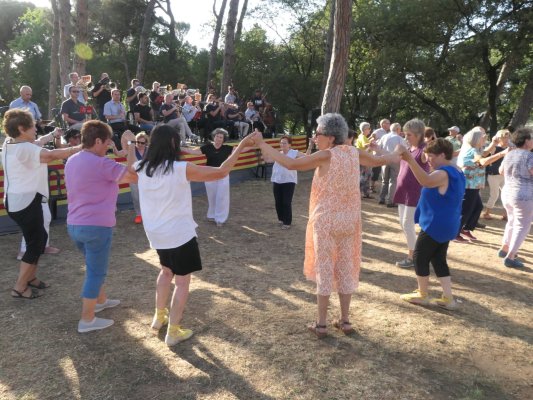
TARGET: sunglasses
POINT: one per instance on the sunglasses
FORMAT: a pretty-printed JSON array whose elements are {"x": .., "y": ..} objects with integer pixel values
[{"x": 138, "y": 142}]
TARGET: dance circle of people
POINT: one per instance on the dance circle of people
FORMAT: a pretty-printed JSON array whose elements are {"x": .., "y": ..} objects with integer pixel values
[{"x": 433, "y": 182}]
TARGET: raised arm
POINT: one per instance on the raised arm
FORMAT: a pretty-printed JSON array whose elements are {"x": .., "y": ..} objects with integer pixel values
[
  {"x": 370, "y": 160},
  {"x": 188, "y": 150},
  {"x": 199, "y": 173},
  {"x": 47, "y": 156},
  {"x": 485, "y": 161},
  {"x": 435, "y": 179}
]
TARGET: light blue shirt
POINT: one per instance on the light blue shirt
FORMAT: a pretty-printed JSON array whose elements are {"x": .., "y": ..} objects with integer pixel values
[
  {"x": 28, "y": 106},
  {"x": 112, "y": 108}
]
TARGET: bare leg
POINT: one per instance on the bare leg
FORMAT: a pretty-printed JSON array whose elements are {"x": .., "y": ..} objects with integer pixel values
[
  {"x": 87, "y": 309},
  {"x": 323, "y": 302},
  {"x": 179, "y": 299},
  {"x": 423, "y": 284},
  {"x": 27, "y": 272},
  {"x": 163, "y": 287},
  {"x": 411, "y": 253},
  {"x": 345, "y": 300},
  {"x": 446, "y": 283}
]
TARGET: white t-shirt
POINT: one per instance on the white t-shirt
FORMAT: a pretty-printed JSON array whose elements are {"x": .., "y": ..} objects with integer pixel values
[
  {"x": 280, "y": 174},
  {"x": 166, "y": 207},
  {"x": 379, "y": 133},
  {"x": 24, "y": 174}
]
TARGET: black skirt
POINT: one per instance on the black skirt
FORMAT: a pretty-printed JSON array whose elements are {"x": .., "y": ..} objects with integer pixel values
[{"x": 182, "y": 260}]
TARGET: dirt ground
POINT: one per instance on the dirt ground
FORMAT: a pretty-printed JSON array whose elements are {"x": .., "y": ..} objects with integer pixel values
[{"x": 249, "y": 308}]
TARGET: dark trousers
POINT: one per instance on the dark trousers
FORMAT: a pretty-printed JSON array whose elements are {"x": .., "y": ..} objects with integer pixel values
[
  {"x": 471, "y": 210},
  {"x": 31, "y": 222},
  {"x": 283, "y": 193},
  {"x": 428, "y": 250}
]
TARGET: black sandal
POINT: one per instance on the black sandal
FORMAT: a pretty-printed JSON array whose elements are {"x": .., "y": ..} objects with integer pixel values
[
  {"x": 20, "y": 295},
  {"x": 314, "y": 329},
  {"x": 41, "y": 285},
  {"x": 345, "y": 327}
]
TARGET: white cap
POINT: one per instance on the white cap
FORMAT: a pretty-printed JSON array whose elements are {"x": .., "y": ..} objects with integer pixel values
[{"x": 454, "y": 128}]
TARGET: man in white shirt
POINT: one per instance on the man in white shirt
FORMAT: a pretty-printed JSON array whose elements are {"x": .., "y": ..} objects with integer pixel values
[
  {"x": 377, "y": 135},
  {"x": 389, "y": 173}
]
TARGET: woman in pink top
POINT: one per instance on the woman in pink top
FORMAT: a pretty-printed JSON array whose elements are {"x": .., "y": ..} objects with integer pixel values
[
  {"x": 333, "y": 239},
  {"x": 92, "y": 182}
]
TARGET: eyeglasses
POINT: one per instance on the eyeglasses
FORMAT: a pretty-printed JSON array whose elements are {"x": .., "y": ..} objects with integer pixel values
[
  {"x": 317, "y": 133},
  {"x": 74, "y": 91},
  {"x": 140, "y": 142}
]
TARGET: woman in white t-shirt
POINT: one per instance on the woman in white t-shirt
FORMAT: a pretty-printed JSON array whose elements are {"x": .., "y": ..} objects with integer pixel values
[
  {"x": 283, "y": 183},
  {"x": 166, "y": 207},
  {"x": 25, "y": 189}
]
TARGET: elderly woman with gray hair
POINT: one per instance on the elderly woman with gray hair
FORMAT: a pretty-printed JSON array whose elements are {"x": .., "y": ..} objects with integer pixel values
[
  {"x": 333, "y": 237},
  {"x": 517, "y": 196},
  {"x": 472, "y": 162}
]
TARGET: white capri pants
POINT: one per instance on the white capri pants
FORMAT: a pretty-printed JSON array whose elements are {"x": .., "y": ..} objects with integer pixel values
[
  {"x": 407, "y": 222},
  {"x": 47, "y": 218},
  {"x": 495, "y": 185},
  {"x": 519, "y": 219},
  {"x": 218, "y": 199}
]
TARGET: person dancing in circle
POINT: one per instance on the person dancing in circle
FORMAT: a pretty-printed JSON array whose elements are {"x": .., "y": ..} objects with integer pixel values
[
  {"x": 439, "y": 215},
  {"x": 333, "y": 237},
  {"x": 166, "y": 207}
]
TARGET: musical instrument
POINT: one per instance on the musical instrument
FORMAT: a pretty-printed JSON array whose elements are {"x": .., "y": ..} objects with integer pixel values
[
  {"x": 85, "y": 83},
  {"x": 140, "y": 89}
]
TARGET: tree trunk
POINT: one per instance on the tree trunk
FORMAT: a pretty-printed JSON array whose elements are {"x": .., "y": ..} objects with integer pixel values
[
  {"x": 82, "y": 36},
  {"x": 144, "y": 40},
  {"x": 229, "y": 46},
  {"x": 339, "y": 58},
  {"x": 327, "y": 51},
  {"x": 523, "y": 111},
  {"x": 505, "y": 71},
  {"x": 54, "y": 61},
  {"x": 214, "y": 45},
  {"x": 65, "y": 38},
  {"x": 238, "y": 32}
]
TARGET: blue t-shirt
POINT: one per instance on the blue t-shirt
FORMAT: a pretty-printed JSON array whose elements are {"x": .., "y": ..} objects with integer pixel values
[{"x": 439, "y": 215}]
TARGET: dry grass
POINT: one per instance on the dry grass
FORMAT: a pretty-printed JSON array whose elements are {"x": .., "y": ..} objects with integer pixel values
[{"x": 249, "y": 307}]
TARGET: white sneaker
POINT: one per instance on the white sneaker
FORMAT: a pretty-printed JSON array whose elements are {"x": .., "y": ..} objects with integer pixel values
[
  {"x": 176, "y": 334},
  {"x": 95, "y": 325},
  {"x": 107, "y": 304}
]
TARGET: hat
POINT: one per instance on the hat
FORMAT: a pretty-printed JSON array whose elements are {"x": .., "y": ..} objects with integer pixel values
[{"x": 454, "y": 128}]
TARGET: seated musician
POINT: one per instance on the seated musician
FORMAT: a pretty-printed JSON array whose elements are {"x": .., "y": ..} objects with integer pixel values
[
  {"x": 24, "y": 102},
  {"x": 231, "y": 97},
  {"x": 143, "y": 113},
  {"x": 170, "y": 112},
  {"x": 233, "y": 114},
  {"x": 72, "y": 110},
  {"x": 214, "y": 112},
  {"x": 259, "y": 100},
  {"x": 251, "y": 114},
  {"x": 156, "y": 99}
]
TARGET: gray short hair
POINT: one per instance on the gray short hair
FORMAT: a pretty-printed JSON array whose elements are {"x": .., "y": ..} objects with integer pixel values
[
  {"x": 335, "y": 125},
  {"x": 472, "y": 137},
  {"x": 416, "y": 127},
  {"x": 396, "y": 126},
  {"x": 363, "y": 126}
]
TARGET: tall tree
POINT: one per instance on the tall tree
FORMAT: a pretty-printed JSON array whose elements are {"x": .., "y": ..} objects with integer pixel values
[
  {"x": 238, "y": 32},
  {"x": 339, "y": 58},
  {"x": 54, "y": 61},
  {"x": 229, "y": 46},
  {"x": 327, "y": 50},
  {"x": 216, "y": 35},
  {"x": 65, "y": 40},
  {"x": 144, "y": 39},
  {"x": 82, "y": 36},
  {"x": 525, "y": 105}
]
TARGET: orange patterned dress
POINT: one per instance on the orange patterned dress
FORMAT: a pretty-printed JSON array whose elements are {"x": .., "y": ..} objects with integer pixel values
[{"x": 333, "y": 237}]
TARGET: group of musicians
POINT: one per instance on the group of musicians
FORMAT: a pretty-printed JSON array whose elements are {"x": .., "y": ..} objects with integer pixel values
[{"x": 182, "y": 108}]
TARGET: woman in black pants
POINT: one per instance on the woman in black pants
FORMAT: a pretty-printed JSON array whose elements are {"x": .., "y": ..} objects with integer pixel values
[{"x": 284, "y": 182}]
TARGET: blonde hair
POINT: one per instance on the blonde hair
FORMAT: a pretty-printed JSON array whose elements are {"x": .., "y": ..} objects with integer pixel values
[
  {"x": 142, "y": 135},
  {"x": 503, "y": 133}
]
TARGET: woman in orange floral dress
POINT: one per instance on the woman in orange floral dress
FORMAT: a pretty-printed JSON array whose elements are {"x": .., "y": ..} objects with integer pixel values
[{"x": 333, "y": 238}]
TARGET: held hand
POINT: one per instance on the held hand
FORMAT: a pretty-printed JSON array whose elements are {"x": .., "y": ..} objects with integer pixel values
[
  {"x": 248, "y": 141},
  {"x": 257, "y": 137},
  {"x": 128, "y": 136},
  {"x": 58, "y": 132},
  {"x": 394, "y": 158}
]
